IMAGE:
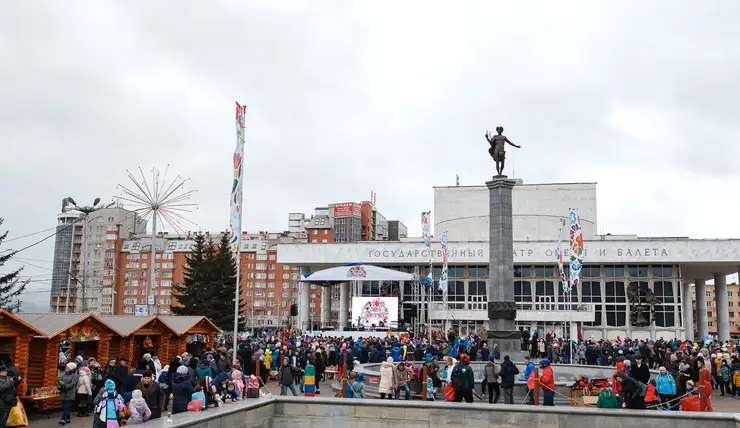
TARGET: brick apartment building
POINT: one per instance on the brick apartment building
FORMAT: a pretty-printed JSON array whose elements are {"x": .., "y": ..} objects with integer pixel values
[
  {"x": 733, "y": 301},
  {"x": 267, "y": 287}
]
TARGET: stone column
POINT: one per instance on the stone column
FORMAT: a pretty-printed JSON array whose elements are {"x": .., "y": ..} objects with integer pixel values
[
  {"x": 688, "y": 310},
  {"x": 501, "y": 306},
  {"x": 701, "y": 308},
  {"x": 326, "y": 306},
  {"x": 344, "y": 305},
  {"x": 304, "y": 306},
  {"x": 723, "y": 309}
]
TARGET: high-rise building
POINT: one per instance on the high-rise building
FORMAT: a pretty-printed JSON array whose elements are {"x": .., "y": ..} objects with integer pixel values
[
  {"x": 397, "y": 230},
  {"x": 89, "y": 289}
]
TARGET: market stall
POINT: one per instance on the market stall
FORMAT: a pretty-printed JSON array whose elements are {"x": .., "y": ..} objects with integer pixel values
[
  {"x": 15, "y": 339},
  {"x": 64, "y": 337},
  {"x": 138, "y": 336},
  {"x": 194, "y": 334}
]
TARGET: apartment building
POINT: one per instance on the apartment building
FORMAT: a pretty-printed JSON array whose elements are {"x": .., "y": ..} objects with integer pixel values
[
  {"x": 89, "y": 290},
  {"x": 733, "y": 301}
]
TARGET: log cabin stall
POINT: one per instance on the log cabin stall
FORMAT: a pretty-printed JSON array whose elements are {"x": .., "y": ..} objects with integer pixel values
[
  {"x": 15, "y": 339},
  {"x": 64, "y": 336},
  {"x": 137, "y": 336},
  {"x": 195, "y": 334}
]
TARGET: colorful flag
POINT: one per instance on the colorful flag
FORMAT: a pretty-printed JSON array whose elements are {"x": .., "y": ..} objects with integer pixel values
[
  {"x": 576, "y": 248},
  {"x": 561, "y": 271},
  {"x": 426, "y": 227},
  {"x": 236, "y": 187},
  {"x": 443, "y": 276}
]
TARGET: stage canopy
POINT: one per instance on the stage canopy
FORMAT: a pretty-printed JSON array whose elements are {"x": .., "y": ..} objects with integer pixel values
[{"x": 355, "y": 272}]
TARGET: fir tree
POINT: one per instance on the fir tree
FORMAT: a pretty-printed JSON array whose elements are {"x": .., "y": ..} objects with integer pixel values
[
  {"x": 223, "y": 287},
  {"x": 190, "y": 292},
  {"x": 11, "y": 286}
]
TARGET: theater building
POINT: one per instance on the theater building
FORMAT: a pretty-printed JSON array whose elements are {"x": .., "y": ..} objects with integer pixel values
[{"x": 631, "y": 286}]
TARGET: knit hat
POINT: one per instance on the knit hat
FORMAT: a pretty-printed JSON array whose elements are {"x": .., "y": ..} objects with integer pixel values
[
  {"x": 136, "y": 393},
  {"x": 389, "y": 360},
  {"x": 71, "y": 367},
  {"x": 544, "y": 363},
  {"x": 491, "y": 357},
  {"x": 147, "y": 355},
  {"x": 182, "y": 370}
]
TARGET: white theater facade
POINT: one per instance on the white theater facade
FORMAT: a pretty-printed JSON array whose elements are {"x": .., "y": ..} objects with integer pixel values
[{"x": 621, "y": 276}]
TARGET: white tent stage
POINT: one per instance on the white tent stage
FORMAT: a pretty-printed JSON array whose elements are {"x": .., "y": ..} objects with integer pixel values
[{"x": 358, "y": 272}]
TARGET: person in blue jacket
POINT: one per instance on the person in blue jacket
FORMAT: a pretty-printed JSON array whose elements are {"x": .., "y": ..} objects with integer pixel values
[
  {"x": 529, "y": 368},
  {"x": 396, "y": 354}
]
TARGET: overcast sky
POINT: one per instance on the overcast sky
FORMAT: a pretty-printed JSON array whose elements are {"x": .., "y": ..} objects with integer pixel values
[{"x": 345, "y": 97}]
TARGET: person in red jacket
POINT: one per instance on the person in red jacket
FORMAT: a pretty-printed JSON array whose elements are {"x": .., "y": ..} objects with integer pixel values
[
  {"x": 616, "y": 386},
  {"x": 547, "y": 381},
  {"x": 651, "y": 397}
]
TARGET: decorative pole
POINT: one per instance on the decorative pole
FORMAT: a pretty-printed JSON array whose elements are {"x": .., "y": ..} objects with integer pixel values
[{"x": 236, "y": 213}]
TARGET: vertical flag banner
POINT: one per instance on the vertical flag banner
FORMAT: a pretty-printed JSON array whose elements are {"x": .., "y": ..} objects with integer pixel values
[
  {"x": 576, "y": 248},
  {"x": 561, "y": 271},
  {"x": 426, "y": 231},
  {"x": 236, "y": 187},
  {"x": 443, "y": 276}
]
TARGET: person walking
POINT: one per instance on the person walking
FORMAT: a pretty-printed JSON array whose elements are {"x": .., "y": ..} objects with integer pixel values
[
  {"x": 492, "y": 374},
  {"x": 508, "y": 373},
  {"x": 463, "y": 380},
  {"x": 547, "y": 381},
  {"x": 387, "y": 379},
  {"x": 67, "y": 391},
  {"x": 665, "y": 385},
  {"x": 286, "y": 378},
  {"x": 8, "y": 394}
]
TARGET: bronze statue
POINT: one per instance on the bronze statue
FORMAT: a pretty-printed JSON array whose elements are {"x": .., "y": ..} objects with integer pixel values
[{"x": 498, "y": 148}]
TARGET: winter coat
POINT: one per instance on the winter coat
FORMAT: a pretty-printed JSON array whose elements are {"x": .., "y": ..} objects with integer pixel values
[
  {"x": 508, "y": 373},
  {"x": 182, "y": 390},
  {"x": 203, "y": 371},
  {"x": 547, "y": 379},
  {"x": 402, "y": 377},
  {"x": 387, "y": 378},
  {"x": 607, "y": 400},
  {"x": 665, "y": 384},
  {"x": 7, "y": 392},
  {"x": 491, "y": 372},
  {"x": 84, "y": 383},
  {"x": 285, "y": 375},
  {"x": 528, "y": 370},
  {"x": 70, "y": 386},
  {"x": 641, "y": 373},
  {"x": 154, "y": 397},
  {"x": 139, "y": 411}
]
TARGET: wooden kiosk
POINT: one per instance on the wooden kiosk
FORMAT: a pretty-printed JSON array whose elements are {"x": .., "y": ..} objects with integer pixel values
[
  {"x": 137, "y": 336},
  {"x": 15, "y": 339},
  {"x": 194, "y": 334},
  {"x": 85, "y": 334}
]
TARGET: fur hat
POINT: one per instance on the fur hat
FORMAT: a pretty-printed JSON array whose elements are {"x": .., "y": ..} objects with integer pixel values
[
  {"x": 136, "y": 393},
  {"x": 71, "y": 367}
]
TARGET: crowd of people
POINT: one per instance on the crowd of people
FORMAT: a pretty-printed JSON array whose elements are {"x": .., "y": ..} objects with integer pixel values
[{"x": 115, "y": 392}]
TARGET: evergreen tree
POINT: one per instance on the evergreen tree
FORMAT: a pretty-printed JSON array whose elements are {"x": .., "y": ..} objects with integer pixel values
[
  {"x": 190, "y": 292},
  {"x": 223, "y": 287},
  {"x": 11, "y": 286}
]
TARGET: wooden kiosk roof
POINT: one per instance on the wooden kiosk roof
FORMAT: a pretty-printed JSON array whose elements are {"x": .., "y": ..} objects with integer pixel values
[
  {"x": 127, "y": 325},
  {"x": 9, "y": 321},
  {"x": 190, "y": 324},
  {"x": 51, "y": 324}
]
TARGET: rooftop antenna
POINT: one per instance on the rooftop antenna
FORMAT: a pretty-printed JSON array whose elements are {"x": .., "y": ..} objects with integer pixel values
[{"x": 457, "y": 179}]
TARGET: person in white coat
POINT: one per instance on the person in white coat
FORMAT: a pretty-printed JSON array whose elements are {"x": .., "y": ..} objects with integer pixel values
[
  {"x": 387, "y": 384},
  {"x": 84, "y": 391}
]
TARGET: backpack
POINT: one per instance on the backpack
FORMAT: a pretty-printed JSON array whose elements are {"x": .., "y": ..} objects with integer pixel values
[
  {"x": 724, "y": 371},
  {"x": 203, "y": 372},
  {"x": 736, "y": 378},
  {"x": 458, "y": 377},
  {"x": 164, "y": 380}
]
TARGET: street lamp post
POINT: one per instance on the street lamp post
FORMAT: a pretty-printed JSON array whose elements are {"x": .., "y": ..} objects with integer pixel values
[{"x": 86, "y": 211}]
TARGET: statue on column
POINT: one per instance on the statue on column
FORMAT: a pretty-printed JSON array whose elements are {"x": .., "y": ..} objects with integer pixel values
[{"x": 498, "y": 148}]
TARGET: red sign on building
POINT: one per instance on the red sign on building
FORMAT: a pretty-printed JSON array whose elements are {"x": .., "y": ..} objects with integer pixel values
[{"x": 347, "y": 209}]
